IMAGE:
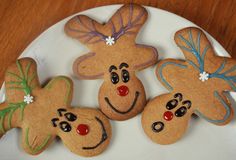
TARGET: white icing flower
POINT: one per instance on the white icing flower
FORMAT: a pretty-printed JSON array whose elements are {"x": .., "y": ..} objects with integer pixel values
[
  {"x": 203, "y": 76},
  {"x": 28, "y": 99},
  {"x": 110, "y": 41}
]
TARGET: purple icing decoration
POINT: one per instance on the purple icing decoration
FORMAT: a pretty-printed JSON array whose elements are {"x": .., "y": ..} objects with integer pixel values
[{"x": 93, "y": 32}]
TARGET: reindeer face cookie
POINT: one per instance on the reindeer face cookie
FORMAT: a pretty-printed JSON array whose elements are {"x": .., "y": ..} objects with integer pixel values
[
  {"x": 197, "y": 85},
  {"x": 44, "y": 113},
  {"x": 114, "y": 57}
]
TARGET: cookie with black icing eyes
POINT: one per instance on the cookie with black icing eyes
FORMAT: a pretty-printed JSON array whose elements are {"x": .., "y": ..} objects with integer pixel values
[
  {"x": 114, "y": 57},
  {"x": 44, "y": 113},
  {"x": 196, "y": 85}
]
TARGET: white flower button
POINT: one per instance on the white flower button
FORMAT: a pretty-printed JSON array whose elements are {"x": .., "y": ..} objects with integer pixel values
[
  {"x": 204, "y": 76},
  {"x": 28, "y": 99},
  {"x": 110, "y": 41}
]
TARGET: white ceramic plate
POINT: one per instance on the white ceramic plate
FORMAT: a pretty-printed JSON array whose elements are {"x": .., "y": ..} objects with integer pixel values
[{"x": 55, "y": 53}]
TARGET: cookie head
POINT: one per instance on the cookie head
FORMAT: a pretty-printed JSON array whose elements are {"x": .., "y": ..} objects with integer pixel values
[
  {"x": 84, "y": 131},
  {"x": 166, "y": 123},
  {"x": 121, "y": 96},
  {"x": 115, "y": 57}
]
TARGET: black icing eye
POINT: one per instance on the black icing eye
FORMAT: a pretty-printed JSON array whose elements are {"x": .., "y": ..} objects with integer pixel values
[
  {"x": 171, "y": 104},
  {"x": 179, "y": 96},
  {"x": 181, "y": 111},
  {"x": 187, "y": 103},
  {"x": 125, "y": 75},
  {"x": 70, "y": 116},
  {"x": 114, "y": 77},
  {"x": 157, "y": 126},
  {"x": 65, "y": 126}
]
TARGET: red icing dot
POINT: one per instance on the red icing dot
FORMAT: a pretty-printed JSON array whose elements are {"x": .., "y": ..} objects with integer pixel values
[
  {"x": 123, "y": 90},
  {"x": 168, "y": 115},
  {"x": 82, "y": 129}
]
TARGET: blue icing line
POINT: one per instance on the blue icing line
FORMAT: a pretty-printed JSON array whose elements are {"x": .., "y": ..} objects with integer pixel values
[
  {"x": 161, "y": 75},
  {"x": 220, "y": 68},
  {"x": 227, "y": 108},
  {"x": 193, "y": 64},
  {"x": 195, "y": 50},
  {"x": 229, "y": 79}
]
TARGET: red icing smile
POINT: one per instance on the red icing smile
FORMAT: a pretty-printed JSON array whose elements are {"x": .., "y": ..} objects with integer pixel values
[
  {"x": 82, "y": 129},
  {"x": 122, "y": 90},
  {"x": 168, "y": 115}
]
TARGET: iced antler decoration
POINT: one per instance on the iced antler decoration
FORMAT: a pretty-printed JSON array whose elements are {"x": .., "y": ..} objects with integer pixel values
[
  {"x": 194, "y": 48},
  {"x": 91, "y": 34}
]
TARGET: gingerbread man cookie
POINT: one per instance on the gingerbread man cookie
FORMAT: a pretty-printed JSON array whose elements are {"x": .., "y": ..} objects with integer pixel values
[
  {"x": 115, "y": 57},
  {"x": 197, "y": 85},
  {"x": 44, "y": 113}
]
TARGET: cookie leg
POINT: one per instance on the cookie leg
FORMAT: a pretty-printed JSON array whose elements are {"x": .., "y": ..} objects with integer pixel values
[
  {"x": 219, "y": 111},
  {"x": 35, "y": 142}
]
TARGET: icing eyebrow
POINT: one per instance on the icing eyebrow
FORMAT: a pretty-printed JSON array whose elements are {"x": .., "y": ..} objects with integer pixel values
[
  {"x": 54, "y": 121},
  {"x": 179, "y": 95},
  {"x": 123, "y": 65},
  {"x": 112, "y": 67},
  {"x": 60, "y": 110}
]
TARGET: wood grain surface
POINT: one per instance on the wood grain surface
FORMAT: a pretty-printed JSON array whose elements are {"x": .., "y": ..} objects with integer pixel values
[{"x": 21, "y": 21}]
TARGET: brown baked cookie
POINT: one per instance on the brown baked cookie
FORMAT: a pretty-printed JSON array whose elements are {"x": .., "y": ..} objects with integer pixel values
[
  {"x": 114, "y": 57},
  {"x": 44, "y": 113},
  {"x": 197, "y": 85}
]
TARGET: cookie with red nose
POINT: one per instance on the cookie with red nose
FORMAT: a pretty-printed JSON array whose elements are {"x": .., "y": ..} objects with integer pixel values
[
  {"x": 114, "y": 57},
  {"x": 44, "y": 113},
  {"x": 196, "y": 85}
]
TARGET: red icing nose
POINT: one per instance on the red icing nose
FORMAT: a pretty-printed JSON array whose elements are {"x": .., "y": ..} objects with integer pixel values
[
  {"x": 82, "y": 129},
  {"x": 123, "y": 90},
  {"x": 168, "y": 115}
]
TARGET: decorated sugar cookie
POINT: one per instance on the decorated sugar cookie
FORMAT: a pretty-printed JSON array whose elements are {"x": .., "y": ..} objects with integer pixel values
[
  {"x": 114, "y": 56},
  {"x": 44, "y": 113},
  {"x": 196, "y": 85}
]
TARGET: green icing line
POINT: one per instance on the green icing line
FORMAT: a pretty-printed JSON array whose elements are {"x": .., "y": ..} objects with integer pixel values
[
  {"x": 31, "y": 78},
  {"x": 20, "y": 69},
  {"x": 16, "y": 88},
  {"x": 2, "y": 130},
  {"x": 27, "y": 70},
  {"x": 10, "y": 117},
  {"x": 38, "y": 148},
  {"x": 12, "y": 107},
  {"x": 14, "y": 75},
  {"x": 12, "y": 82},
  {"x": 22, "y": 112}
]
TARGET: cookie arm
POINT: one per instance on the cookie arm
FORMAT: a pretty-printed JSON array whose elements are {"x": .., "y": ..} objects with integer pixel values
[
  {"x": 63, "y": 86},
  {"x": 167, "y": 68},
  {"x": 88, "y": 67}
]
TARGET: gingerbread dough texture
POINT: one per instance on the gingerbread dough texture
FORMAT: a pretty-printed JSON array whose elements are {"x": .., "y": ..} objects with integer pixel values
[
  {"x": 196, "y": 85},
  {"x": 114, "y": 57},
  {"x": 44, "y": 113}
]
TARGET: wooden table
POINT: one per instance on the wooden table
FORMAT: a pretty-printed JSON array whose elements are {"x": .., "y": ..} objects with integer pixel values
[{"x": 21, "y": 21}]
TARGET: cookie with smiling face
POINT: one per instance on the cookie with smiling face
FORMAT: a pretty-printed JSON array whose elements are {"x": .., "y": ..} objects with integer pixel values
[
  {"x": 197, "y": 85},
  {"x": 115, "y": 57},
  {"x": 44, "y": 113}
]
